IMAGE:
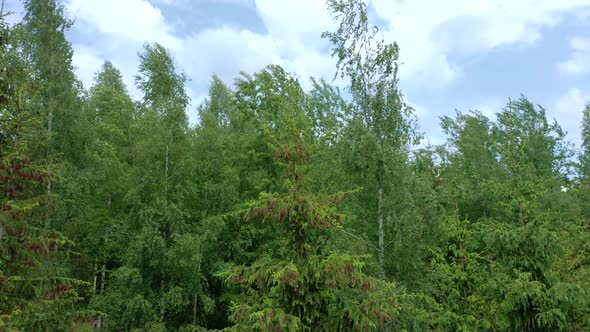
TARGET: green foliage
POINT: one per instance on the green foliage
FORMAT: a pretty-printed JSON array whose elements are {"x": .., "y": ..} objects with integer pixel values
[
  {"x": 48, "y": 51},
  {"x": 303, "y": 287},
  {"x": 511, "y": 247},
  {"x": 118, "y": 215},
  {"x": 462, "y": 281},
  {"x": 472, "y": 165},
  {"x": 324, "y": 293},
  {"x": 152, "y": 251},
  {"x": 376, "y": 139},
  {"x": 35, "y": 290},
  {"x": 524, "y": 138}
]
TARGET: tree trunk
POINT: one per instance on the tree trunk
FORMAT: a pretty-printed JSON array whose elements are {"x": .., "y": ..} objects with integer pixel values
[
  {"x": 162, "y": 304},
  {"x": 166, "y": 171},
  {"x": 103, "y": 278},
  {"x": 95, "y": 276},
  {"x": 49, "y": 122},
  {"x": 195, "y": 310},
  {"x": 131, "y": 148},
  {"x": 99, "y": 321},
  {"x": 49, "y": 129},
  {"x": 381, "y": 232}
]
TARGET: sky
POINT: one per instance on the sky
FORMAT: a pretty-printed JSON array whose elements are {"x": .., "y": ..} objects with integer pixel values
[{"x": 455, "y": 54}]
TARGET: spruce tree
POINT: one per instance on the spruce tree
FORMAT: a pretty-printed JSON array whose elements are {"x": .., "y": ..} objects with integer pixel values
[
  {"x": 50, "y": 53},
  {"x": 36, "y": 292},
  {"x": 305, "y": 287}
]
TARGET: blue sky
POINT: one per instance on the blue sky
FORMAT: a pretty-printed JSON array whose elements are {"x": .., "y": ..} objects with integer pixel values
[{"x": 456, "y": 54}]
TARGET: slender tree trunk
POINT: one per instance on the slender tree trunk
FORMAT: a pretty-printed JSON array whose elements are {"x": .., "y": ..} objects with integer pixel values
[
  {"x": 95, "y": 276},
  {"x": 164, "y": 235},
  {"x": 195, "y": 310},
  {"x": 99, "y": 321},
  {"x": 132, "y": 150},
  {"x": 397, "y": 229},
  {"x": 49, "y": 122},
  {"x": 103, "y": 278},
  {"x": 381, "y": 232},
  {"x": 162, "y": 304},
  {"x": 49, "y": 130},
  {"x": 166, "y": 170}
]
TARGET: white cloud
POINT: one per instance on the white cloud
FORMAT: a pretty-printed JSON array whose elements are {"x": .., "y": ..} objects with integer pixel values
[
  {"x": 296, "y": 28},
  {"x": 243, "y": 50},
  {"x": 289, "y": 42},
  {"x": 488, "y": 106},
  {"x": 295, "y": 21},
  {"x": 226, "y": 52},
  {"x": 86, "y": 63},
  {"x": 429, "y": 32},
  {"x": 579, "y": 61},
  {"x": 431, "y": 35},
  {"x": 137, "y": 20},
  {"x": 568, "y": 111},
  {"x": 112, "y": 33}
]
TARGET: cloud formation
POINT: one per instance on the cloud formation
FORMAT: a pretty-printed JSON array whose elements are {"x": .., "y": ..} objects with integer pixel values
[
  {"x": 568, "y": 111},
  {"x": 437, "y": 40},
  {"x": 137, "y": 20},
  {"x": 431, "y": 32},
  {"x": 579, "y": 61},
  {"x": 287, "y": 42}
]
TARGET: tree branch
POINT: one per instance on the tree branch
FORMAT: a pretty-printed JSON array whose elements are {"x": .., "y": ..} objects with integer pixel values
[
  {"x": 360, "y": 239},
  {"x": 387, "y": 245}
]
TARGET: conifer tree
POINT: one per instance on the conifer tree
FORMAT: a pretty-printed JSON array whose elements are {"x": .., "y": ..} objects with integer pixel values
[
  {"x": 303, "y": 286},
  {"x": 35, "y": 290},
  {"x": 50, "y": 53}
]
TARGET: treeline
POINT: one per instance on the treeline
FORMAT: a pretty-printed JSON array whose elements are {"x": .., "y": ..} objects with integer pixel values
[{"x": 281, "y": 209}]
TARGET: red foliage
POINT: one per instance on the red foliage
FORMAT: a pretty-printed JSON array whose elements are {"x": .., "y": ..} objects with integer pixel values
[
  {"x": 19, "y": 177},
  {"x": 58, "y": 291}
]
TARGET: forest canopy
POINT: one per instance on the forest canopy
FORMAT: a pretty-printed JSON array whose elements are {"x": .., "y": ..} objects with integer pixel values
[{"x": 282, "y": 208}]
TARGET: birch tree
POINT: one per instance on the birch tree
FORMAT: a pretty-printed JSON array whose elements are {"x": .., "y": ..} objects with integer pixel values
[{"x": 382, "y": 126}]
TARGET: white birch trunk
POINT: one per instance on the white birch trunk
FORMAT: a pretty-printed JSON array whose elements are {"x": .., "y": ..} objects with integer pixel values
[
  {"x": 381, "y": 233},
  {"x": 95, "y": 276}
]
